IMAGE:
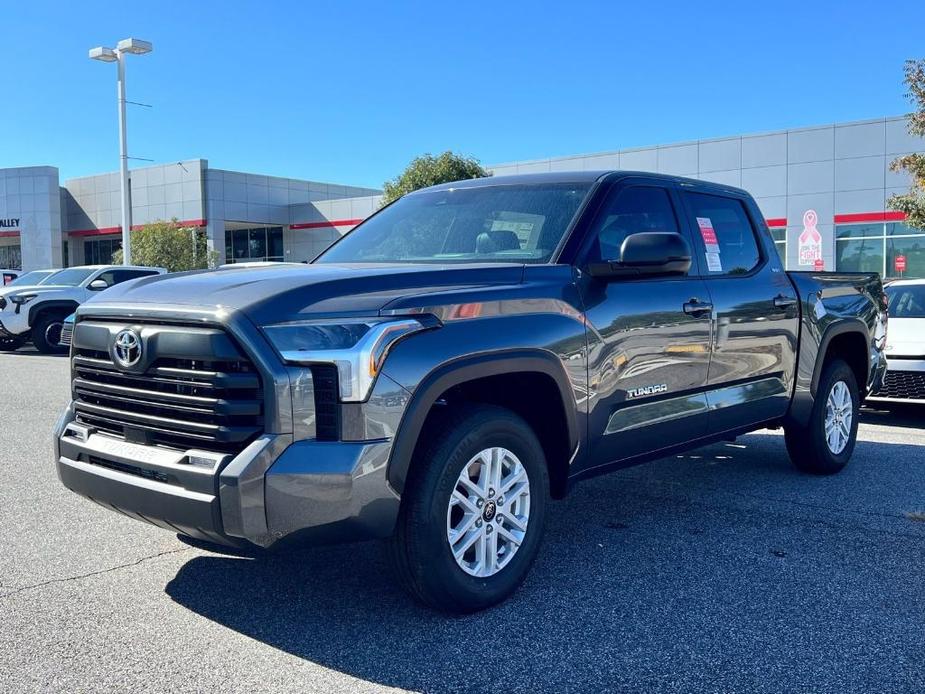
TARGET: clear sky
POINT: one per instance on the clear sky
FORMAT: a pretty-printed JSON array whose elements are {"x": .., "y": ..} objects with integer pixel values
[{"x": 349, "y": 92}]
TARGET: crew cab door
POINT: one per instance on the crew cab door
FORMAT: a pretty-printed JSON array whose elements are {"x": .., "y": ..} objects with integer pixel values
[
  {"x": 755, "y": 310},
  {"x": 648, "y": 336}
]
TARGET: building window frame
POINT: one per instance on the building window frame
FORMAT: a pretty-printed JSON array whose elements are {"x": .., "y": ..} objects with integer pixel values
[{"x": 884, "y": 233}]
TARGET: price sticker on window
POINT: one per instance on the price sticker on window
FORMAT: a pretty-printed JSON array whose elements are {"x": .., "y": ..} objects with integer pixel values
[{"x": 708, "y": 234}]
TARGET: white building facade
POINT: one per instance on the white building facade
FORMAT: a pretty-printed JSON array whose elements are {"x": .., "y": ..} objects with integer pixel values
[{"x": 823, "y": 191}]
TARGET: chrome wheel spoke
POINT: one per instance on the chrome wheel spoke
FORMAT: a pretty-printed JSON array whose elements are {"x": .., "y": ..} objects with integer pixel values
[
  {"x": 488, "y": 512},
  {"x": 464, "y": 501}
]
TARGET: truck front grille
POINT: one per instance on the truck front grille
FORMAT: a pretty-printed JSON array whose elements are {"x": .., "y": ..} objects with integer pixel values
[
  {"x": 903, "y": 384},
  {"x": 213, "y": 402}
]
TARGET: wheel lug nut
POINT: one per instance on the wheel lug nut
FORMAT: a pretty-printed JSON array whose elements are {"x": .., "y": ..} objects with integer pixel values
[
  {"x": 478, "y": 523},
  {"x": 488, "y": 528},
  {"x": 500, "y": 519},
  {"x": 491, "y": 493},
  {"x": 479, "y": 502},
  {"x": 500, "y": 499}
]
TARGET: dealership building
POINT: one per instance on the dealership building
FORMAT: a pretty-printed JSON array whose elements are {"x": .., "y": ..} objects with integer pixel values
[{"x": 823, "y": 191}]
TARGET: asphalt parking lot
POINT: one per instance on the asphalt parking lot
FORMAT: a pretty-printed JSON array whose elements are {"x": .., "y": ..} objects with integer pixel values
[{"x": 722, "y": 570}]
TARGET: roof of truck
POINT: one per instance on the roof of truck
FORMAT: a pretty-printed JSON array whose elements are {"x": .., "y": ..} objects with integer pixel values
[{"x": 576, "y": 177}]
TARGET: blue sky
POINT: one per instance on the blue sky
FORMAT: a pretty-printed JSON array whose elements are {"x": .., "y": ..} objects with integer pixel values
[{"x": 349, "y": 92}]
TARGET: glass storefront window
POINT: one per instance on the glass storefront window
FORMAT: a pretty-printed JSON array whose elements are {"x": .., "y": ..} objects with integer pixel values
[
  {"x": 912, "y": 249},
  {"x": 844, "y": 231},
  {"x": 100, "y": 251},
  {"x": 859, "y": 249},
  {"x": 275, "y": 243},
  {"x": 864, "y": 255},
  {"x": 11, "y": 257},
  {"x": 253, "y": 245}
]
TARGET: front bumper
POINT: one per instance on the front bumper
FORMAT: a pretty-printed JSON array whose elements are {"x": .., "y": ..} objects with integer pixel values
[
  {"x": 13, "y": 324},
  {"x": 904, "y": 381},
  {"x": 273, "y": 491}
]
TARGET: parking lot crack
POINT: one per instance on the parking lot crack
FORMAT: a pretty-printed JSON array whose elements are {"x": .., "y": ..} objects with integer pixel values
[{"x": 91, "y": 574}]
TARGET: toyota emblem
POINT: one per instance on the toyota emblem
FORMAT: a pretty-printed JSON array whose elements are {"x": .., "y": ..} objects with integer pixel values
[{"x": 126, "y": 350}]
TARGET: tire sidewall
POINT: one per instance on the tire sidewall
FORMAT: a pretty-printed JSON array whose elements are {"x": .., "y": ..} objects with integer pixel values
[
  {"x": 835, "y": 372},
  {"x": 462, "y": 589},
  {"x": 38, "y": 334}
]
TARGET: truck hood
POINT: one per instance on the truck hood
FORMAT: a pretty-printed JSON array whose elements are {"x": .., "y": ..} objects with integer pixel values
[
  {"x": 286, "y": 292},
  {"x": 905, "y": 337}
]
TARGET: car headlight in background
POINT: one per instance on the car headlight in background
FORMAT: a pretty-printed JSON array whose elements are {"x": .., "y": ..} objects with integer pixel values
[
  {"x": 357, "y": 347},
  {"x": 18, "y": 300}
]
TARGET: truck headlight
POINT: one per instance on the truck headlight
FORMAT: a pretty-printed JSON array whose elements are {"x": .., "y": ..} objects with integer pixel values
[
  {"x": 356, "y": 346},
  {"x": 20, "y": 299}
]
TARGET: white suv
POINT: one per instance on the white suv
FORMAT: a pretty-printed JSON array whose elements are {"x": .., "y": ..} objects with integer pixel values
[{"x": 37, "y": 312}]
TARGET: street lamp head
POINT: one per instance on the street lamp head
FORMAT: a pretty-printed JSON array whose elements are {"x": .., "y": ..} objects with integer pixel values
[
  {"x": 107, "y": 55},
  {"x": 134, "y": 46}
]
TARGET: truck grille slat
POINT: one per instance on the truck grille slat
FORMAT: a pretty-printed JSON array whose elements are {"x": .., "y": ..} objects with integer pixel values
[
  {"x": 214, "y": 402},
  {"x": 903, "y": 384}
]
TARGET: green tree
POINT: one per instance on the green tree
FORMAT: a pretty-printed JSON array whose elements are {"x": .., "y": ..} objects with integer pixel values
[
  {"x": 913, "y": 202},
  {"x": 429, "y": 170},
  {"x": 169, "y": 245}
]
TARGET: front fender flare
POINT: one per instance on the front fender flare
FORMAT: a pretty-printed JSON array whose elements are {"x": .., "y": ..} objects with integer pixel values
[{"x": 462, "y": 370}]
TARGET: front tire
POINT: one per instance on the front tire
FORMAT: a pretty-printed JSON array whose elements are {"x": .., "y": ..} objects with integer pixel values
[
  {"x": 473, "y": 511},
  {"x": 46, "y": 334},
  {"x": 825, "y": 444}
]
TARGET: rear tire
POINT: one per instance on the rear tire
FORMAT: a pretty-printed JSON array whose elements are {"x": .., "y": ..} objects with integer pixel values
[
  {"x": 46, "y": 334},
  {"x": 450, "y": 550},
  {"x": 825, "y": 444}
]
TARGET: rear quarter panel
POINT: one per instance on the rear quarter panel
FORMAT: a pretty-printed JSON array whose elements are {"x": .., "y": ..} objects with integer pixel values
[{"x": 831, "y": 304}]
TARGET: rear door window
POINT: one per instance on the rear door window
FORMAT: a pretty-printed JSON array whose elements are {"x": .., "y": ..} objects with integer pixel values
[{"x": 724, "y": 234}]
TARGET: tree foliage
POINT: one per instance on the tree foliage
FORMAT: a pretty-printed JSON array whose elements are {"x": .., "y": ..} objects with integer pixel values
[
  {"x": 428, "y": 170},
  {"x": 913, "y": 202},
  {"x": 169, "y": 245}
]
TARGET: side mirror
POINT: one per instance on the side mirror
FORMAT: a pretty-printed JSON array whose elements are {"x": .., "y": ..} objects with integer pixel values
[
  {"x": 98, "y": 285},
  {"x": 647, "y": 253}
]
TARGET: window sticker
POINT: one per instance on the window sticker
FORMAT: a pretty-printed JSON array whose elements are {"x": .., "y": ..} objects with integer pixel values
[
  {"x": 714, "y": 264},
  {"x": 708, "y": 234}
]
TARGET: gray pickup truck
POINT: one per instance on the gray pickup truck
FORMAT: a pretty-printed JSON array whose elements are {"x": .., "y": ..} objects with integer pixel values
[{"x": 460, "y": 358}]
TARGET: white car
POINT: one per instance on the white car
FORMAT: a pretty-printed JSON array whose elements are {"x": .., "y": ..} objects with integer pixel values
[
  {"x": 31, "y": 278},
  {"x": 905, "y": 343},
  {"x": 37, "y": 312}
]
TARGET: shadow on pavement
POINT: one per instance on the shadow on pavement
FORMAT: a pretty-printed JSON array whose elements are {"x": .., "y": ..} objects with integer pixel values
[
  {"x": 894, "y": 414},
  {"x": 706, "y": 572}
]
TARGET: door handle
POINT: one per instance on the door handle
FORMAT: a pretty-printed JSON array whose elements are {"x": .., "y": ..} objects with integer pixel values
[
  {"x": 781, "y": 301},
  {"x": 695, "y": 307}
]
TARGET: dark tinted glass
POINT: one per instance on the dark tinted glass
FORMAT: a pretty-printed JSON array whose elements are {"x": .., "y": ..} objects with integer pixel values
[
  {"x": 501, "y": 223},
  {"x": 726, "y": 236},
  {"x": 907, "y": 301},
  {"x": 629, "y": 211}
]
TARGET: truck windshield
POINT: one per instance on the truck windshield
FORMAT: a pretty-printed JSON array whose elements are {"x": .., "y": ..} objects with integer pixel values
[
  {"x": 71, "y": 277},
  {"x": 34, "y": 277},
  {"x": 907, "y": 301},
  {"x": 494, "y": 223}
]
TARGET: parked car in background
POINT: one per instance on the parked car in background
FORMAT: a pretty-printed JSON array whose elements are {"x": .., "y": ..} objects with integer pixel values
[
  {"x": 462, "y": 356},
  {"x": 37, "y": 312},
  {"x": 33, "y": 277},
  {"x": 905, "y": 343}
]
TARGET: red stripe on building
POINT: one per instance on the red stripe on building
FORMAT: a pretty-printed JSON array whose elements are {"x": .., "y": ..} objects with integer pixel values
[
  {"x": 777, "y": 222},
  {"x": 327, "y": 224},
  {"x": 862, "y": 217},
  {"x": 135, "y": 227},
  {"x": 8, "y": 234}
]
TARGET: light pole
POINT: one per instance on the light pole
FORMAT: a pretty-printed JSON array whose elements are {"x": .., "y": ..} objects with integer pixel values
[{"x": 117, "y": 55}]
